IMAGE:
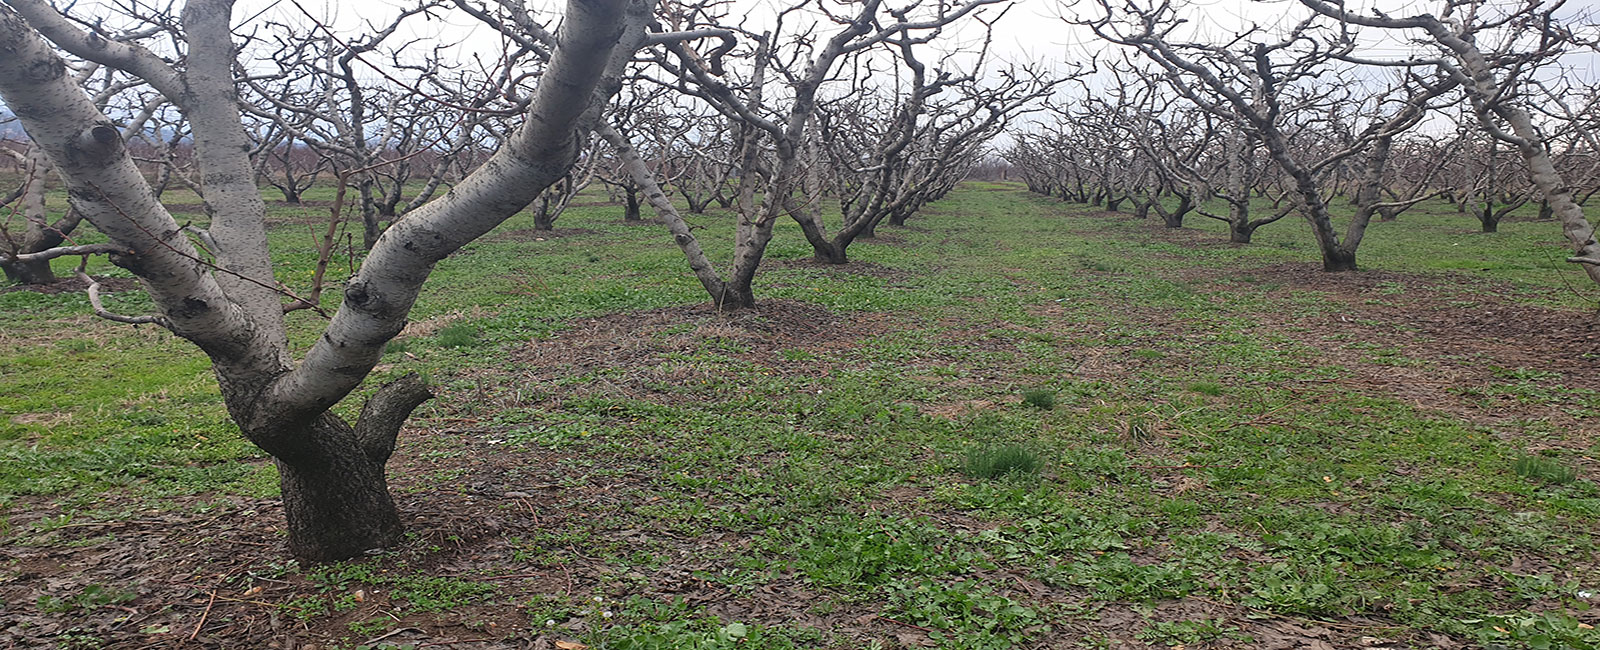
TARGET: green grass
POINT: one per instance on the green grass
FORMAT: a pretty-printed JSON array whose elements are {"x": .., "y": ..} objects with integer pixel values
[
  {"x": 1196, "y": 443},
  {"x": 1544, "y": 469},
  {"x": 1039, "y": 398},
  {"x": 995, "y": 462},
  {"x": 456, "y": 335}
]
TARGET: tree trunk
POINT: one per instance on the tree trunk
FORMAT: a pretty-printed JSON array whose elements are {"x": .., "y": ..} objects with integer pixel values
[
  {"x": 632, "y": 213},
  {"x": 831, "y": 254},
  {"x": 542, "y": 221},
  {"x": 697, "y": 206},
  {"x": 1240, "y": 232},
  {"x": 1488, "y": 219},
  {"x": 336, "y": 497},
  {"x": 682, "y": 235},
  {"x": 823, "y": 249},
  {"x": 736, "y": 296},
  {"x": 1338, "y": 260},
  {"x": 40, "y": 235},
  {"x": 1174, "y": 219},
  {"x": 289, "y": 188},
  {"x": 544, "y": 218},
  {"x": 370, "y": 230},
  {"x": 36, "y": 272}
]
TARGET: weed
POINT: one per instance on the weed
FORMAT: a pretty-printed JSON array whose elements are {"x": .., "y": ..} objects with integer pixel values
[
  {"x": 996, "y": 462},
  {"x": 796, "y": 354},
  {"x": 438, "y": 593},
  {"x": 1043, "y": 399},
  {"x": 972, "y": 611},
  {"x": 1545, "y": 630},
  {"x": 1187, "y": 633},
  {"x": 1101, "y": 266},
  {"x": 457, "y": 335},
  {"x": 77, "y": 639},
  {"x": 92, "y": 597},
  {"x": 1209, "y": 388},
  {"x": 1317, "y": 590},
  {"x": 1140, "y": 429},
  {"x": 1544, "y": 470},
  {"x": 1115, "y": 576},
  {"x": 396, "y": 346},
  {"x": 856, "y": 552},
  {"x": 369, "y": 627}
]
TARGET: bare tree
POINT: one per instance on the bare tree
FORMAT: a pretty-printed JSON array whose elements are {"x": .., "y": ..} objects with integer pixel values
[
  {"x": 23, "y": 257},
  {"x": 224, "y": 298},
  {"x": 1268, "y": 86},
  {"x": 1495, "y": 82},
  {"x": 774, "y": 128},
  {"x": 890, "y": 155}
]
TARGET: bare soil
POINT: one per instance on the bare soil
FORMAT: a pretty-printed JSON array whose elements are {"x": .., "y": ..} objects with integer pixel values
[
  {"x": 208, "y": 572},
  {"x": 74, "y": 285}
]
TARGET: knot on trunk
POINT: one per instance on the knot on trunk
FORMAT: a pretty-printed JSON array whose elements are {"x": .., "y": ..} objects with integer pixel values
[{"x": 97, "y": 145}]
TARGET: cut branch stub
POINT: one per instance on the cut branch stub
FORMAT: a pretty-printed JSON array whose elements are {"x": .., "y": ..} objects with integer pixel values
[{"x": 386, "y": 411}]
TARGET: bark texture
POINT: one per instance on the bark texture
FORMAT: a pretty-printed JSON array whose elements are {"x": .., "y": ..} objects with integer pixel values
[{"x": 334, "y": 490}]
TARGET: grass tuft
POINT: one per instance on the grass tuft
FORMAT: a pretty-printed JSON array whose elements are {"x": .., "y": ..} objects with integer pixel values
[
  {"x": 457, "y": 335},
  {"x": 995, "y": 462},
  {"x": 1545, "y": 470},
  {"x": 1043, "y": 399}
]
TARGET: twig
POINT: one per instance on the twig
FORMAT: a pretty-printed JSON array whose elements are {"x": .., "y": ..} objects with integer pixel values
[
  {"x": 1312, "y": 621},
  {"x": 63, "y": 251},
  {"x": 389, "y": 634},
  {"x": 262, "y": 603},
  {"x": 203, "y": 616},
  {"x": 511, "y": 576},
  {"x": 434, "y": 643},
  {"x": 100, "y": 308},
  {"x": 248, "y": 543}
]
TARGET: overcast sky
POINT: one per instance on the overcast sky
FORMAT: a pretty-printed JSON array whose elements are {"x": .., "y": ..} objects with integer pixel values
[{"x": 1032, "y": 30}]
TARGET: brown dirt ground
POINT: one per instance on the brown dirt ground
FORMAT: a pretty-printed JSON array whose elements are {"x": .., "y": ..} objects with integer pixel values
[
  {"x": 74, "y": 285},
  {"x": 1446, "y": 344},
  {"x": 205, "y": 570}
]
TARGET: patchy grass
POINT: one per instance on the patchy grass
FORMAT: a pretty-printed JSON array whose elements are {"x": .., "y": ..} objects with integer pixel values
[
  {"x": 995, "y": 462},
  {"x": 1040, "y": 398},
  {"x": 1230, "y": 449}
]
